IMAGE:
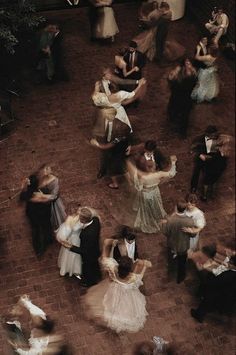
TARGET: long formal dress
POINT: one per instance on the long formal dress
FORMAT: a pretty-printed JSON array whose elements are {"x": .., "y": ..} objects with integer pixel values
[
  {"x": 58, "y": 214},
  {"x": 146, "y": 41},
  {"x": 106, "y": 25},
  {"x": 101, "y": 100},
  {"x": 118, "y": 305},
  {"x": 208, "y": 86},
  {"x": 148, "y": 202},
  {"x": 69, "y": 262},
  {"x": 199, "y": 221}
]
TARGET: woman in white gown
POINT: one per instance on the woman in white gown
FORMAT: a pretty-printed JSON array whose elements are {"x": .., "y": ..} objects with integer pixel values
[
  {"x": 117, "y": 99},
  {"x": 106, "y": 26},
  {"x": 199, "y": 220},
  {"x": 41, "y": 340},
  {"x": 148, "y": 202},
  {"x": 116, "y": 302},
  {"x": 207, "y": 87},
  {"x": 69, "y": 262}
]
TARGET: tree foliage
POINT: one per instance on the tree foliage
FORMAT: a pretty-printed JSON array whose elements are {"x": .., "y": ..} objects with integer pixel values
[{"x": 15, "y": 19}]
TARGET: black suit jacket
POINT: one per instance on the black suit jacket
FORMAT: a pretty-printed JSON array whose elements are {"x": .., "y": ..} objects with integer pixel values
[
  {"x": 139, "y": 61},
  {"x": 117, "y": 254},
  {"x": 89, "y": 243},
  {"x": 198, "y": 145}
]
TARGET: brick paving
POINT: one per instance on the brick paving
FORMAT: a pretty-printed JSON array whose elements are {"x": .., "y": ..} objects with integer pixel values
[{"x": 64, "y": 143}]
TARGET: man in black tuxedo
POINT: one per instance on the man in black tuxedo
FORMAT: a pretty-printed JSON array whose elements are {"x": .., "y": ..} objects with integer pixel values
[
  {"x": 126, "y": 245},
  {"x": 204, "y": 147},
  {"x": 219, "y": 293},
  {"x": 134, "y": 58},
  {"x": 57, "y": 55},
  {"x": 148, "y": 157},
  {"x": 89, "y": 247}
]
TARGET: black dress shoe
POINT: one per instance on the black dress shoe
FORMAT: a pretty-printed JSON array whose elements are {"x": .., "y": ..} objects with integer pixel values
[{"x": 196, "y": 316}]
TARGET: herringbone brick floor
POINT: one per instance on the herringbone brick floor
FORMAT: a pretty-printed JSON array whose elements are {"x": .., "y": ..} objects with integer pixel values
[{"x": 37, "y": 139}]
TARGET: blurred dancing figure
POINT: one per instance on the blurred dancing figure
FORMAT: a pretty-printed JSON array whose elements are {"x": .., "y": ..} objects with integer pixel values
[
  {"x": 115, "y": 98},
  {"x": 126, "y": 244},
  {"x": 116, "y": 302},
  {"x": 211, "y": 152},
  {"x": 106, "y": 26},
  {"x": 148, "y": 202},
  {"x": 49, "y": 187},
  {"x": 148, "y": 157},
  {"x": 219, "y": 293},
  {"x": 218, "y": 25},
  {"x": 181, "y": 80},
  {"x": 89, "y": 248},
  {"x": 114, "y": 154},
  {"x": 198, "y": 218},
  {"x": 134, "y": 59},
  {"x": 69, "y": 232},
  {"x": 156, "y": 346},
  {"x": 38, "y": 212},
  {"x": 42, "y": 340},
  {"x": 201, "y": 50},
  {"x": 207, "y": 87}
]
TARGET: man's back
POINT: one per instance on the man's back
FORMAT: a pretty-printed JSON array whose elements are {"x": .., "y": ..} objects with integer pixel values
[{"x": 177, "y": 239}]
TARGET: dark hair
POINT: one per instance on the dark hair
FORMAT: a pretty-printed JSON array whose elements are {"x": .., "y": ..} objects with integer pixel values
[
  {"x": 150, "y": 145},
  {"x": 211, "y": 129},
  {"x": 125, "y": 266},
  {"x": 232, "y": 260},
  {"x": 127, "y": 233},
  {"x": 164, "y": 4},
  {"x": 209, "y": 250},
  {"x": 31, "y": 188},
  {"x": 47, "y": 325},
  {"x": 192, "y": 198},
  {"x": 113, "y": 88},
  {"x": 133, "y": 44},
  {"x": 181, "y": 205},
  {"x": 144, "y": 348}
]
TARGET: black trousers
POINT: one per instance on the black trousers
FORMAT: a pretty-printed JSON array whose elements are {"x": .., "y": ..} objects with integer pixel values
[
  {"x": 91, "y": 272},
  {"x": 177, "y": 265},
  {"x": 197, "y": 169}
]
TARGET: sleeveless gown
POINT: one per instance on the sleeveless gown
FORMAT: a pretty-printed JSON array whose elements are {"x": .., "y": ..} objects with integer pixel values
[{"x": 118, "y": 305}]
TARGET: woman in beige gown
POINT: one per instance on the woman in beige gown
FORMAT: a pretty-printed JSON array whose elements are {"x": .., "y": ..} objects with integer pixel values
[
  {"x": 146, "y": 40},
  {"x": 148, "y": 202},
  {"x": 106, "y": 26}
]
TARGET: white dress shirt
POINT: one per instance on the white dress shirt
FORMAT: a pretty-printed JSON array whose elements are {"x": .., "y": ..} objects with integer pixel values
[
  {"x": 130, "y": 249},
  {"x": 208, "y": 144}
]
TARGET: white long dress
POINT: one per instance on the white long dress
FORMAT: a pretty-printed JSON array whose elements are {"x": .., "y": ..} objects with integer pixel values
[
  {"x": 101, "y": 100},
  {"x": 118, "y": 305},
  {"x": 208, "y": 86},
  {"x": 106, "y": 25},
  {"x": 199, "y": 221},
  {"x": 148, "y": 201},
  {"x": 69, "y": 262}
]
